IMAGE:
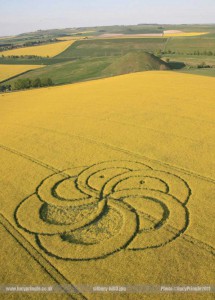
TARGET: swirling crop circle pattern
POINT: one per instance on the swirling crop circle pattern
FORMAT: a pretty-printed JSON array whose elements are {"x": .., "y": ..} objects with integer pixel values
[{"x": 91, "y": 212}]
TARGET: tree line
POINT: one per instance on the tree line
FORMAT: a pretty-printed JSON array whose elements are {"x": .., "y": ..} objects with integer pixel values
[
  {"x": 195, "y": 52},
  {"x": 5, "y": 47},
  {"x": 23, "y": 56},
  {"x": 26, "y": 83}
]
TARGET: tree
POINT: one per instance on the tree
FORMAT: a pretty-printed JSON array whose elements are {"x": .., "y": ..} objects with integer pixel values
[
  {"x": 18, "y": 85},
  {"x": 2, "y": 88},
  {"x": 22, "y": 84},
  {"x": 50, "y": 82},
  {"x": 26, "y": 83},
  {"x": 5, "y": 88},
  {"x": 8, "y": 87},
  {"x": 46, "y": 82},
  {"x": 36, "y": 83}
]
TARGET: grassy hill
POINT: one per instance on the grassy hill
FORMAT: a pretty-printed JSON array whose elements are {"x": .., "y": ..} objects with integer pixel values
[
  {"x": 86, "y": 69},
  {"x": 135, "y": 62}
]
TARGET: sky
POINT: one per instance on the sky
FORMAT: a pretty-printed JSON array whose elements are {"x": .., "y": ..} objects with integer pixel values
[{"x": 18, "y": 16}]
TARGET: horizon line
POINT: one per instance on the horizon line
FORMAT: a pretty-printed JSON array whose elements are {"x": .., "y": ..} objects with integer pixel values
[{"x": 96, "y": 26}]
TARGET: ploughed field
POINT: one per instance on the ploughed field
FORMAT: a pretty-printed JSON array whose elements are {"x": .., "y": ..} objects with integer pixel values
[{"x": 109, "y": 183}]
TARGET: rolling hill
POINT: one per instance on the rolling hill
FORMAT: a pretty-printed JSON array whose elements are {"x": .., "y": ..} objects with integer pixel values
[
  {"x": 135, "y": 62},
  {"x": 85, "y": 69}
]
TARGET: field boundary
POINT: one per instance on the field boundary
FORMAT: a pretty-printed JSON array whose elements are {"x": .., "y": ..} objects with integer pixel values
[
  {"x": 167, "y": 42},
  {"x": 42, "y": 261},
  {"x": 28, "y": 157},
  {"x": 15, "y": 76}
]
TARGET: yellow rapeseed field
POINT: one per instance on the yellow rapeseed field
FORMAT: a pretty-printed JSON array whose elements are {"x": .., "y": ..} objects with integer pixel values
[
  {"x": 147, "y": 36},
  {"x": 43, "y": 50},
  {"x": 70, "y": 38},
  {"x": 8, "y": 71},
  {"x": 110, "y": 183},
  {"x": 87, "y": 31},
  {"x": 184, "y": 34}
]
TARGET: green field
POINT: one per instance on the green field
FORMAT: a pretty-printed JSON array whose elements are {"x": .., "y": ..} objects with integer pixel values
[
  {"x": 111, "y": 47},
  {"x": 201, "y": 72},
  {"x": 190, "y": 44},
  {"x": 85, "y": 68},
  {"x": 97, "y": 57},
  {"x": 192, "y": 60}
]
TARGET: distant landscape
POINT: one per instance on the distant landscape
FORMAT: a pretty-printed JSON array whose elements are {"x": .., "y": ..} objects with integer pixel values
[{"x": 74, "y": 55}]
